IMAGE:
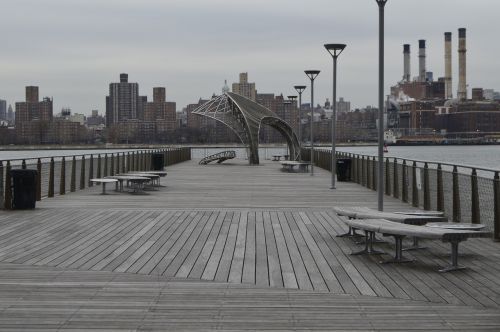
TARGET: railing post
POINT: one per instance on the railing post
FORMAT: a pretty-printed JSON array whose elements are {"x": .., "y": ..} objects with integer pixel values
[
  {"x": 128, "y": 162},
  {"x": 2, "y": 192},
  {"x": 105, "y": 170},
  {"x": 496, "y": 203},
  {"x": 374, "y": 172},
  {"x": 91, "y": 170},
  {"x": 39, "y": 180},
  {"x": 112, "y": 166},
  {"x": 387, "y": 177},
  {"x": 62, "y": 178},
  {"x": 82, "y": 174},
  {"x": 124, "y": 163},
  {"x": 404, "y": 196},
  {"x": 414, "y": 193},
  {"x": 368, "y": 173},
  {"x": 73, "y": 175},
  {"x": 427, "y": 189},
  {"x": 51, "y": 178},
  {"x": 359, "y": 163},
  {"x": 8, "y": 190},
  {"x": 99, "y": 166},
  {"x": 395, "y": 181},
  {"x": 475, "y": 213},
  {"x": 440, "y": 189},
  {"x": 456, "y": 196}
]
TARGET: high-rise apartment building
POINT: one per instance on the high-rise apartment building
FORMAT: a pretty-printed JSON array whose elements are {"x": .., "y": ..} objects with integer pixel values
[
  {"x": 123, "y": 102},
  {"x": 161, "y": 111},
  {"x": 3, "y": 109},
  {"x": 33, "y": 117},
  {"x": 245, "y": 89},
  {"x": 343, "y": 106}
]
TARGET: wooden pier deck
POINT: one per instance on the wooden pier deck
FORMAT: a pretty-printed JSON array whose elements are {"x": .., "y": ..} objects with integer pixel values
[{"x": 229, "y": 247}]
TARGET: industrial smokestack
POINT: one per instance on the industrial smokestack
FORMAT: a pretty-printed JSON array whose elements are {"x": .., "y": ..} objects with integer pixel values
[
  {"x": 407, "y": 69},
  {"x": 421, "y": 58},
  {"x": 447, "y": 66},
  {"x": 462, "y": 65}
]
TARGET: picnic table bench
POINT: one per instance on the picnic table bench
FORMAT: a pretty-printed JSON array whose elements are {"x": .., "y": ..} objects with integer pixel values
[
  {"x": 410, "y": 218},
  {"x": 289, "y": 166},
  {"x": 137, "y": 182},
  {"x": 104, "y": 182},
  {"x": 278, "y": 157},
  {"x": 400, "y": 231}
]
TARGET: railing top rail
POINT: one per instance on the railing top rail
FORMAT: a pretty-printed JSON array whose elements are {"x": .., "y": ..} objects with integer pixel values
[
  {"x": 478, "y": 168},
  {"x": 82, "y": 154}
]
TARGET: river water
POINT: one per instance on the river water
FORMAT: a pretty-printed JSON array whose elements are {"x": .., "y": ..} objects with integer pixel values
[{"x": 487, "y": 156}]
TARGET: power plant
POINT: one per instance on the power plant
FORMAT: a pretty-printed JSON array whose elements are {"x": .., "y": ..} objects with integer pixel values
[
  {"x": 448, "y": 81},
  {"x": 423, "y": 109}
]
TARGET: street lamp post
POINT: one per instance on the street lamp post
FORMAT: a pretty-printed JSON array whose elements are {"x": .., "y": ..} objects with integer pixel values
[
  {"x": 292, "y": 100},
  {"x": 334, "y": 50},
  {"x": 380, "y": 169},
  {"x": 300, "y": 89},
  {"x": 312, "y": 74}
]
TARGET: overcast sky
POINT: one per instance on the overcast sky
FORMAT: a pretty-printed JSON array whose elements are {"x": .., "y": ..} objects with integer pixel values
[{"x": 73, "y": 49}]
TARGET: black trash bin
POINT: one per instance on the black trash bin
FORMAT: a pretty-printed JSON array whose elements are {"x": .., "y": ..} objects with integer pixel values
[
  {"x": 343, "y": 169},
  {"x": 24, "y": 188},
  {"x": 157, "y": 160}
]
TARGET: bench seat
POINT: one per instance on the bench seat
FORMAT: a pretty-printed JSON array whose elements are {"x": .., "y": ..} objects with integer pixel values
[{"x": 400, "y": 231}]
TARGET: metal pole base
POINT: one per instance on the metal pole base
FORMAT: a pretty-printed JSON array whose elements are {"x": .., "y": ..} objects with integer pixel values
[
  {"x": 368, "y": 246},
  {"x": 398, "y": 255},
  {"x": 415, "y": 245},
  {"x": 350, "y": 233},
  {"x": 454, "y": 260}
]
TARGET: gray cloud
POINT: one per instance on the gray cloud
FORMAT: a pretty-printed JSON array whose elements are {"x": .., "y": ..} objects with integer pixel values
[{"x": 73, "y": 49}]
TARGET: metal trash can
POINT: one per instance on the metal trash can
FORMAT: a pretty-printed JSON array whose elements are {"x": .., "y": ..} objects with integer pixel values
[
  {"x": 24, "y": 188},
  {"x": 157, "y": 161},
  {"x": 344, "y": 169}
]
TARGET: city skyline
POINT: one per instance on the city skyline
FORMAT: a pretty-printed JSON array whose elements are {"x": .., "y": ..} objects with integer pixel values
[{"x": 72, "y": 51}]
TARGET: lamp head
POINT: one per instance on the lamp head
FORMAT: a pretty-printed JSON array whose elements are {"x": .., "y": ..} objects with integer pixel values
[
  {"x": 292, "y": 97},
  {"x": 381, "y": 2},
  {"x": 312, "y": 74},
  {"x": 300, "y": 88},
  {"x": 335, "y": 49}
]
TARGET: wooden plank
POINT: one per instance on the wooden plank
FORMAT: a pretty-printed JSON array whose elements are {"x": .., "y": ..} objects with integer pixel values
[
  {"x": 261, "y": 268},
  {"x": 249, "y": 262},
  {"x": 236, "y": 272},
  {"x": 288, "y": 273},
  {"x": 273, "y": 261}
]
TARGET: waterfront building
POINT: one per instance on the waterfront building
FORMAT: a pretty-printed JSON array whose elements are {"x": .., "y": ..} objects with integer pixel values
[
  {"x": 123, "y": 102},
  {"x": 11, "y": 115},
  {"x": 95, "y": 120},
  {"x": 3, "y": 109},
  {"x": 33, "y": 117},
  {"x": 343, "y": 106},
  {"x": 245, "y": 89}
]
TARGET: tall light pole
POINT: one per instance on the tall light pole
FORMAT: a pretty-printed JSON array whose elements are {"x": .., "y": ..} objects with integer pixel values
[
  {"x": 312, "y": 74},
  {"x": 300, "y": 89},
  {"x": 380, "y": 164},
  {"x": 292, "y": 100},
  {"x": 334, "y": 50}
]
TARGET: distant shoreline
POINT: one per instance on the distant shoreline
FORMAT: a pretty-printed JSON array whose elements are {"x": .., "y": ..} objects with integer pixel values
[{"x": 148, "y": 146}]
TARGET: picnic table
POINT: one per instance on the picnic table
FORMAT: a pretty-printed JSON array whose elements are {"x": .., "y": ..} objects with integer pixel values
[
  {"x": 289, "y": 166},
  {"x": 104, "y": 182}
]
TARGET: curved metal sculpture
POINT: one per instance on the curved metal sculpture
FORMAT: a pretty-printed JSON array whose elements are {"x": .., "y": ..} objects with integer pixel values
[
  {"x": 220, "y": 157},
  {"x": 245, "y": 118}
]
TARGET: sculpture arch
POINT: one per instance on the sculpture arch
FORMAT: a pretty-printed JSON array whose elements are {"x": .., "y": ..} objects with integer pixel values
[{"x": 245, "y": 117}]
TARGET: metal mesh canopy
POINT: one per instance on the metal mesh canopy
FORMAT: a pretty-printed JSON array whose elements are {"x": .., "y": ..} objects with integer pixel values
[{"x": 245, "y": 118}]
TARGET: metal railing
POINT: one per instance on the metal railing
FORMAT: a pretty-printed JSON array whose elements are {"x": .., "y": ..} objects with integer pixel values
[
  {"x": 61, "y": 174},
  {"x": 465, "y": 193}
]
